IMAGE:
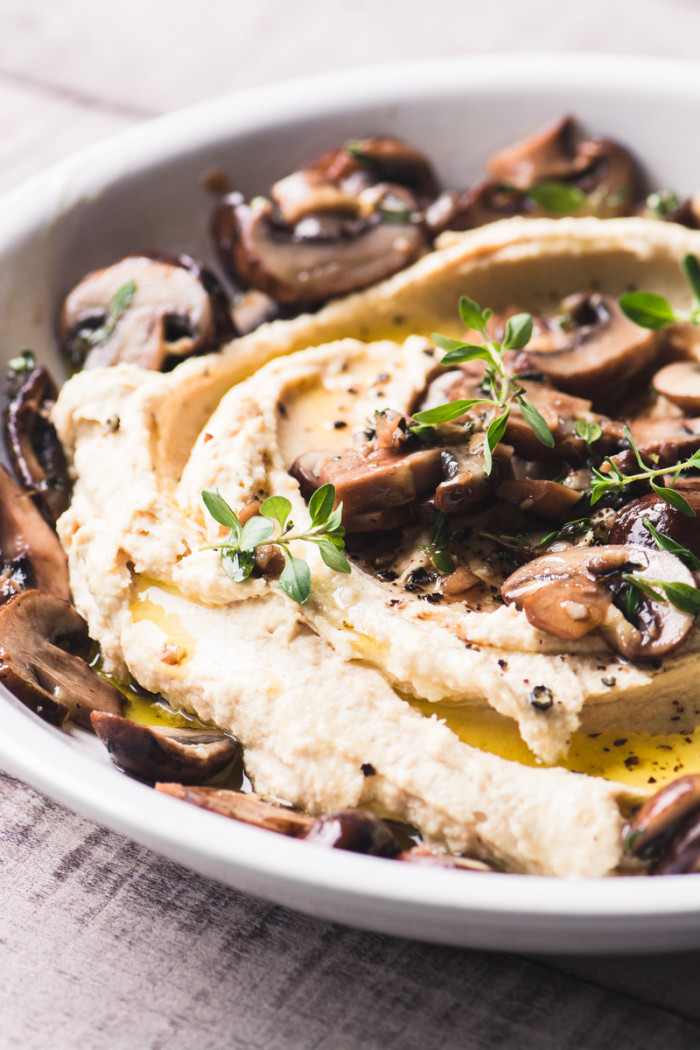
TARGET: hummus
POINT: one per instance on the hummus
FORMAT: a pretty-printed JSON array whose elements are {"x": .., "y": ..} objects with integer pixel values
[{"x": 321, "y": 694}]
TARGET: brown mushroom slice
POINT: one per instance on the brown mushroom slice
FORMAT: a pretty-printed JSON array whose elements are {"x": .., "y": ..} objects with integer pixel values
[
  {"x": 658, "y": 820},
  {"x": 36, "y": 455},
  {"x": 381, "y": 480},
  {"x": 549, "y": 499},
  {"x": 324, "y": 255},
  {"x": 37, "y": 630},
  {"x": 143, "y": 310},
  {"x": 683, "y": 854},
  {"x": 466, "y": 481},
  {"x": 557, "y": 595},
  {"x": 592, "y": 353},
  {"x": 661, "y": 627},
  {"x": 551, "y": 154},
  {"x": 570, "y": 593},
  {"x": 422, "y": 854},
  {"x": 248, "y": 808},
  {"x": 355, "y": 830},
  {"x": 25, "y": 537},
  {"x": 152, "y": 753},
  {"x": 629, "y": 527},
  {"x": 680, "y": 383},
  {"x": 604, "y": 171},
  {"x": 668, "y": 439}
]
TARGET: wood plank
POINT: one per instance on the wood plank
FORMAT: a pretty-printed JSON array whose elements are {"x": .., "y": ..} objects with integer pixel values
[
  {"x": 107, "y": 944},
  {"x": 162, "y": 55}
]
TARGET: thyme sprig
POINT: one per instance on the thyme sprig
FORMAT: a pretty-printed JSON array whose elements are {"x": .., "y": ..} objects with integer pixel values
[
  {"x": 501, "y": 389},
  {"x": 119, "y": 304},
  {"x": 272, "y": 525},
  {"x": 682, "y": 596},
  {"x": 649, "y": 310},
  {"x": 615, "y": 481}
]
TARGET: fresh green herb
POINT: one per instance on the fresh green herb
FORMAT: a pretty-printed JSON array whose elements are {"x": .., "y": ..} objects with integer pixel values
[
  {"x": 436, "y": 548},
  {"x": 24, "y": 362},
  {"x": 649, "y": 310},
  {"x": 667, "y": 543},
  {"x": 588, "y": 432},
  {"x": 393, "y": 211},
  {"x": 121, "y": 301},
  {"x": 681, "y": 595},
  {"x": 561, "y": 198},
  {"x": 616, "y": 481},
  {"x": 567, "y": 530},
  {"x": 662, "y": 203},
  {"x": 500, "y": 388},
  {"x": 272, "y": 525}
]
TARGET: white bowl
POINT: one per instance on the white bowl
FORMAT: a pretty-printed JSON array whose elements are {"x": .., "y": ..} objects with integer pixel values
[{"x": 141, "y": 191}]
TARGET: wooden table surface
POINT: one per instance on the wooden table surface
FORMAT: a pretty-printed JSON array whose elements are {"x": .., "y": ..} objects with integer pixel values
[{"x": 105, "y": 944}]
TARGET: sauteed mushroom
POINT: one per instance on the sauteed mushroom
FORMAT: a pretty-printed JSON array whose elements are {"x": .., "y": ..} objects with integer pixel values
[
  {"x": 604, "y": 173},
  {"x": 319, "y": 257},
  {"x": 155, "y": 752},
  {"x": 680, "y": 383},
  {"x": 350, "y": 218},
  {"x": 35, "y": 453},
  {"x": 592, "y": 351},
  {"x": 571, "y": 593},
  {"x": 629, "y": 526},
  {"x": 661, "y": 816},
  {"x": 143, "y": 310},
  {"x": 356, "y": 830},
  {"x": 28, "y": 543},
  {"x": 42, "y": 642}
]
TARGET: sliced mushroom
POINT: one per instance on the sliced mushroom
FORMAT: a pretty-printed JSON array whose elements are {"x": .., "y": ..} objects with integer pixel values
[
  {"x": 382, "y": 480},
  {"x": 248, "y": 808},
  {"x": 629, "y": 527},
  {"x": 557, "y": 594},
  {"x": 680, "y": 383},
  {"x": 661, "y": 816},
  {"x": 424, "y": 855},
  {"x": 324, "y": 255},
  {"x": 27, "y": 540},
  {"x": 42, "y": 642},
  {"x": 592, "y": 350},
  {"x": 466, "y": 481},
  {"x": 355, "y": 830},
  {"x": 549, "y": 499},
  {"x": 152, "y": 753},
  {"x": 605, "y": 173},
  {"x": 666, "y": 439},
  {"x": 570, "y": 593},
  {"x": 144, "y": 310},
  {"x": 36, "y": 455}
]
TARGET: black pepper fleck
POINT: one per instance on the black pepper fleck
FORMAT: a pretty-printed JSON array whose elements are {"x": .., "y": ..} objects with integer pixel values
[
  {"x": 503, "y": 664},
  {"x": 621, "y": 742},
  {"x": 368, "y": 769},
  {"x": 339, "y": 424},
  {"x": 631, "y": 761},
  {"x": 609, "y": 682},
  {"x": 541, "y": 698}
]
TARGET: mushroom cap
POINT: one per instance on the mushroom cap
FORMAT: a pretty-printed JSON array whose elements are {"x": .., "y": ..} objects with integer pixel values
[
  {"x": 595, "y": 353},
  {"x": 570, "y": 593},
  {"x": 153, "y": 753},
  {"x": 658, "y": 820},
  {"x": 325, "y": 255},
  {"x": 42, "y": 642},
  {"x": 36, "y": 455},
  {"x": 629, "y": 527},
  {"x": 24, "y": 534},
  {"x": 680, "y": 383},
  {"x": 176, "y": 308}
]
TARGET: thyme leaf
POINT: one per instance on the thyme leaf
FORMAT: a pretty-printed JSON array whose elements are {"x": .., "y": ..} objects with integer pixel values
[{"x": 272, "y": 525}]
